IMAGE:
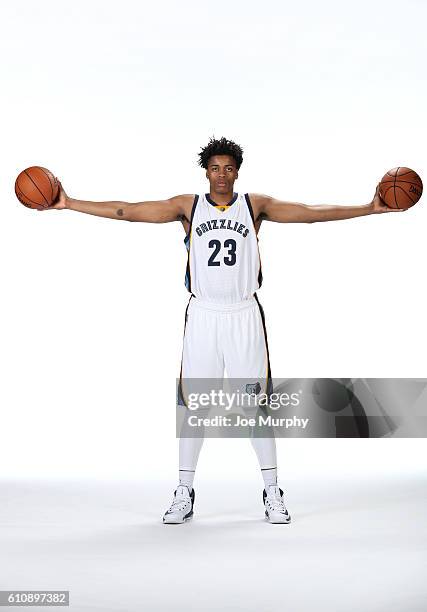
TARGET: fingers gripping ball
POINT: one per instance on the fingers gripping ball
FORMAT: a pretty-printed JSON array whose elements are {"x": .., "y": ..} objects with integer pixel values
[
  {"x": 400, "y": 188},
  {"x": 36, "y": 187}
]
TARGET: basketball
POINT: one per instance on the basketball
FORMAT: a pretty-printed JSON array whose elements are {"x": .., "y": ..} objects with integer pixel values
[
  {"x": 36, "y": 187},
  {"x": 400, "y": 188}
]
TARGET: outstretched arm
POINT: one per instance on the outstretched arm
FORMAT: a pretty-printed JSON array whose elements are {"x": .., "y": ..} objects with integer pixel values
[
  {"x": 272, "y": 209},
  {"x": 159, "y": 211}
]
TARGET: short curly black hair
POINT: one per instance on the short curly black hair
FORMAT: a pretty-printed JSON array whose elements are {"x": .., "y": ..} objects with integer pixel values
[{"x": 221, "y": 147}]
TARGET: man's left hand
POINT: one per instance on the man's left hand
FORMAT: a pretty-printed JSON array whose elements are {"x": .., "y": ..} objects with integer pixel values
[{"x": 378, "y": 206}]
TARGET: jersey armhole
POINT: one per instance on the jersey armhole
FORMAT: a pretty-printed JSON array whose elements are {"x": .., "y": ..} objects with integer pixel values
[
  {"x": 193, "y": 209},
  {"x": 248, "y": 202}
]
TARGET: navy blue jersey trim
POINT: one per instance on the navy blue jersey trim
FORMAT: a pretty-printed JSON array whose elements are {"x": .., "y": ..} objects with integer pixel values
[
  {"x": 180, "y": 393},
  {"x": 193, "y": 209},
  {"x": 269, "y": 382},
  {"x": 248, "y": 202},
  {"x": 187, "y": 245},
  {"x": 209, "y": 199}
]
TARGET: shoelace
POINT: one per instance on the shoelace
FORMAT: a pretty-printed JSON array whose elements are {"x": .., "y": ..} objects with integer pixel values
[
  {"x": 177, "y": 502},
  {"x": 276, "y": 501}
]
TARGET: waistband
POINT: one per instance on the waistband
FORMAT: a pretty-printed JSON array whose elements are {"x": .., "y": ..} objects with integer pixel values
[{"x": 196, "y": 302}]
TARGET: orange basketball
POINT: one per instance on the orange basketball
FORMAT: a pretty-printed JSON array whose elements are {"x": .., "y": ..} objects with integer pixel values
[
  {"x": 400, "y": 188},
  {"x": 36, "y": 187}
]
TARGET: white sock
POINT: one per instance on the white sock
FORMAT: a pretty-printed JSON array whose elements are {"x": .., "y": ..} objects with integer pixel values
[
  {"x": 186, "y": 477},
  {"x": 265, "y": 449},
  {"x": 270, "y": 476},
  {"x": 189, "y": 450}
]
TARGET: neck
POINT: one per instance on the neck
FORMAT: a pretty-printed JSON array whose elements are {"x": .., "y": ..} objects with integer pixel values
[{"x": 221, "y": 198}]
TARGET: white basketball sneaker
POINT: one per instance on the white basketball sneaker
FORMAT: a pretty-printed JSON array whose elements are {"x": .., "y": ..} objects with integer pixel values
[
  {"x": 275, "y": 509},
  {"x": 181, "y": 509}
]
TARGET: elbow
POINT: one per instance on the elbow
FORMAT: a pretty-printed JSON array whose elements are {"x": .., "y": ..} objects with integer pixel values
[
  {"x": 127, "y": 213},
  {"x": 311, "y": 217}
]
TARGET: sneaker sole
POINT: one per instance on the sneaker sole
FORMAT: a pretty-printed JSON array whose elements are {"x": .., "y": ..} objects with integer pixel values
[
  {"x": 277, "y": 522},
  {"x": 185, "y": 519}
]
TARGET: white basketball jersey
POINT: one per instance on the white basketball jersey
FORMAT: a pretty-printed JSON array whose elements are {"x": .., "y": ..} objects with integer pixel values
[{"x": 224, "y": 264}]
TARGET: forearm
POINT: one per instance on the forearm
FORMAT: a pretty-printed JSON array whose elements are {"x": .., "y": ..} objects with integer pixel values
[
  {"x": 160, "y": 211},
  {"x": 280, "y": 211},
  {"x": 112, "y": 210},
  {"x": 325, "y": 212}
]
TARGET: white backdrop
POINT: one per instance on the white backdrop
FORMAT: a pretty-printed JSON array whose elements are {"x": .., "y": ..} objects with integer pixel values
[{"x": 117, "y": 99}]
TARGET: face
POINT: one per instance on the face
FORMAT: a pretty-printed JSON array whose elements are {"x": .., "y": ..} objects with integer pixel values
[{"x": 221, "y": 173}]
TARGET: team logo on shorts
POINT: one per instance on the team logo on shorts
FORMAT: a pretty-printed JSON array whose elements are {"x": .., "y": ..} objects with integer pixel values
[{"x": 253, "y": 388}]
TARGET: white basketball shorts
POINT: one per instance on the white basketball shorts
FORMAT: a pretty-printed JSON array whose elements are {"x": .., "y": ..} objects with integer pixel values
[{"x": 224, "y": 337}]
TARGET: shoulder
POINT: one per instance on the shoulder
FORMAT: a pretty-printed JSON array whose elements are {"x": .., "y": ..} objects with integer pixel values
[
  {"x": 258, "y": 202},
  {"x": 259, "y": 198},
  {"x": 184, "y": 204},
  {"x": 186, "y": 198}
]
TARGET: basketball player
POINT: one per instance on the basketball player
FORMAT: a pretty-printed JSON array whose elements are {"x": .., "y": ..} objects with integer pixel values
[{"x": 224, "y": 322}]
